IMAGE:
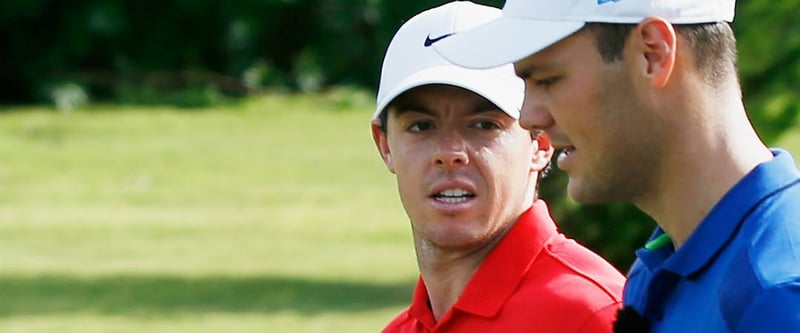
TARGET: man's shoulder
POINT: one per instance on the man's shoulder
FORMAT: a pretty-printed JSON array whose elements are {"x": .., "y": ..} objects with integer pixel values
[
  {"x": 763, "y": 279},
  {"x": 771, "y": 236},
  {"x": 571, "y": 297},
  {"x": 578, "y": 263},
  {"x": 782, "y": 204},
  {"x": 766, "y": 264},
  {"x": 573, "y": 276}
]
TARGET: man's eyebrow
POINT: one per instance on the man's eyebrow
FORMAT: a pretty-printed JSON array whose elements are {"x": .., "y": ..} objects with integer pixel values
[{"x": 529, "y": 70}]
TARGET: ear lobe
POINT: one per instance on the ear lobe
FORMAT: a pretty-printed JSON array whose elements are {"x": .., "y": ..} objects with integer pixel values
[
  {"x": 543, "y": 153},
  {"x": 382, "y": 143},
  {"x": 657, "y": 42}
]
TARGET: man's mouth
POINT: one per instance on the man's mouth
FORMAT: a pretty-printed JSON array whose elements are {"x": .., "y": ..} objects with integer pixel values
[
  {"x": 456, "y": 195},
  {"x": 564, "y": 154}
]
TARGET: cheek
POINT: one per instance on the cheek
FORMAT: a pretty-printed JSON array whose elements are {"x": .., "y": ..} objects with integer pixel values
[
  {"x": 512, "y": 154},
  {"x": 404, "y": 159},
  {"x": 586, "y": 111},
  {"x": 411, "y": 162}
]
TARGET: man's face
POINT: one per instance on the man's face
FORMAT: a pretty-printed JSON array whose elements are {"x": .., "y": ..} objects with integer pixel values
[
  {"x": 465, "y": 169},
  {"x": 595, "y": 116}
]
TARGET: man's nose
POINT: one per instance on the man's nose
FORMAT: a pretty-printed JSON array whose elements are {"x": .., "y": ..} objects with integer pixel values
[
  {"x": 535, "y": 115},
  {"x": 451, "y": 151}
]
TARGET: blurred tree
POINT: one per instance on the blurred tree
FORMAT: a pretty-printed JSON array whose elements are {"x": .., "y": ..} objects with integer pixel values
[{"x": 768, "y": 35}]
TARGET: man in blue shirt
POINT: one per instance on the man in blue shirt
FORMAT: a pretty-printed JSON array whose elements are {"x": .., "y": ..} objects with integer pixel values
[
  {"x": 738, "y": 269},
  {"x": 643, "y": 101}
]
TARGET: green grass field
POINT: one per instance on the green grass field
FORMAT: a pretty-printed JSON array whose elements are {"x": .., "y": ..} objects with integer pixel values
[{"x": 273, "y": 215}]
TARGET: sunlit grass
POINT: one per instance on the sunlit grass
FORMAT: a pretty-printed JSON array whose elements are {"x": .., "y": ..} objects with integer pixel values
[{"x": 272, "y": 215}]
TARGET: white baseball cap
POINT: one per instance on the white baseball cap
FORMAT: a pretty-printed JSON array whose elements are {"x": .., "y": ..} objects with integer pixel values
[
  {"x": 528, "y": 26},
  {"x": 411, "y": 61}
]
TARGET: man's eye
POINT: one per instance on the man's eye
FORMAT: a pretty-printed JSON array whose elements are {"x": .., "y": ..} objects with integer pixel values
[
  {"x": 546, "y": 82},
  {"x": 420, "y": 126},
  {"x": 486, "y": 124}
]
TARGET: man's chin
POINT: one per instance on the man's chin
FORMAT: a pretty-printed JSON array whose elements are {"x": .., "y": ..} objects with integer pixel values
[{"x": 584, "y": 195}]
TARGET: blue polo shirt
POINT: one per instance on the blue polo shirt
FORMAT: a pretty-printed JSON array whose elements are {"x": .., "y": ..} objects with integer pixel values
[{"x": 739, "y": 271}]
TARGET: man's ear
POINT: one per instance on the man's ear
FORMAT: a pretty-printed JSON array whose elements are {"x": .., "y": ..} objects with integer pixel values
[
  {"x": 543, "y": 152},
  {"x": 382, "y": 143},
  {"x": 655, "y": 40}
]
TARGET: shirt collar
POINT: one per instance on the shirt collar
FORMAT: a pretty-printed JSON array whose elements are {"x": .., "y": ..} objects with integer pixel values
[
  {"x": 420, "y": 306},
  {"x": 502, "y": 270},
  {"x": 719, "y": 226}
]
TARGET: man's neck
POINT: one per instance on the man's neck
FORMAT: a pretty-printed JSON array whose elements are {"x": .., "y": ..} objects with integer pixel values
[
  {"x": 708, "y": 157},
  {"x": 446, "y": 273}
]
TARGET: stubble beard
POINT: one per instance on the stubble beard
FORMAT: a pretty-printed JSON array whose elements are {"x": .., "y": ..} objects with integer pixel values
[{"x": 624, "y": 166}]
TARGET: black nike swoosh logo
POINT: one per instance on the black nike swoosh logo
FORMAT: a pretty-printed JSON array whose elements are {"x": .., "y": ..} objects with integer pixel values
[{"x": 429, "y": 41}]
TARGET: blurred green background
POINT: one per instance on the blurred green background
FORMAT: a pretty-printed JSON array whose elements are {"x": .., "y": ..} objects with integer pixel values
[{"x": 207, "y": 166}]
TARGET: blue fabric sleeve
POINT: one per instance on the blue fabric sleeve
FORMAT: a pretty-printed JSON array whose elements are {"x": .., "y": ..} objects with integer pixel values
[{"x": 777, "y": 310}]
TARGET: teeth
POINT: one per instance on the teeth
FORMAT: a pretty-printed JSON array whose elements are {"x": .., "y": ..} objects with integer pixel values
[
  {"x": 452, "y": 200},
  {"x": 454, "y": 196},
  {"x": 454, "y": 193}
]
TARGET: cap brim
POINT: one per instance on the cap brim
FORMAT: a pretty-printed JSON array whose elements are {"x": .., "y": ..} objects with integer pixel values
[
  {"x": 506, "y": 95},
  {"x": 502, "y": 41}
]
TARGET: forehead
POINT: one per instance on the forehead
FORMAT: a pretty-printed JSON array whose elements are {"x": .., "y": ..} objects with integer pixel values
[{"x": 438, "y": 97}]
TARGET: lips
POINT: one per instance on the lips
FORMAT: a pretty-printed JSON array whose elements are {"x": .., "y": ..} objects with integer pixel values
[{"x": 564, "y": 157}]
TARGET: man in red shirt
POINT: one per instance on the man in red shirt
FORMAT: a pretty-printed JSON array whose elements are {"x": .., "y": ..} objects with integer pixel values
[{"x": 490, "y": 257}]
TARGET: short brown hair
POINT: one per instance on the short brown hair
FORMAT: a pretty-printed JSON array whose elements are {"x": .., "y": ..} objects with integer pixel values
[{"x": 714, "y": 45}]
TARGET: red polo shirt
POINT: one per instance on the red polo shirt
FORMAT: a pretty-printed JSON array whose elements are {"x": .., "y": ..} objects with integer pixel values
[{"x": 535, "y": 280}]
